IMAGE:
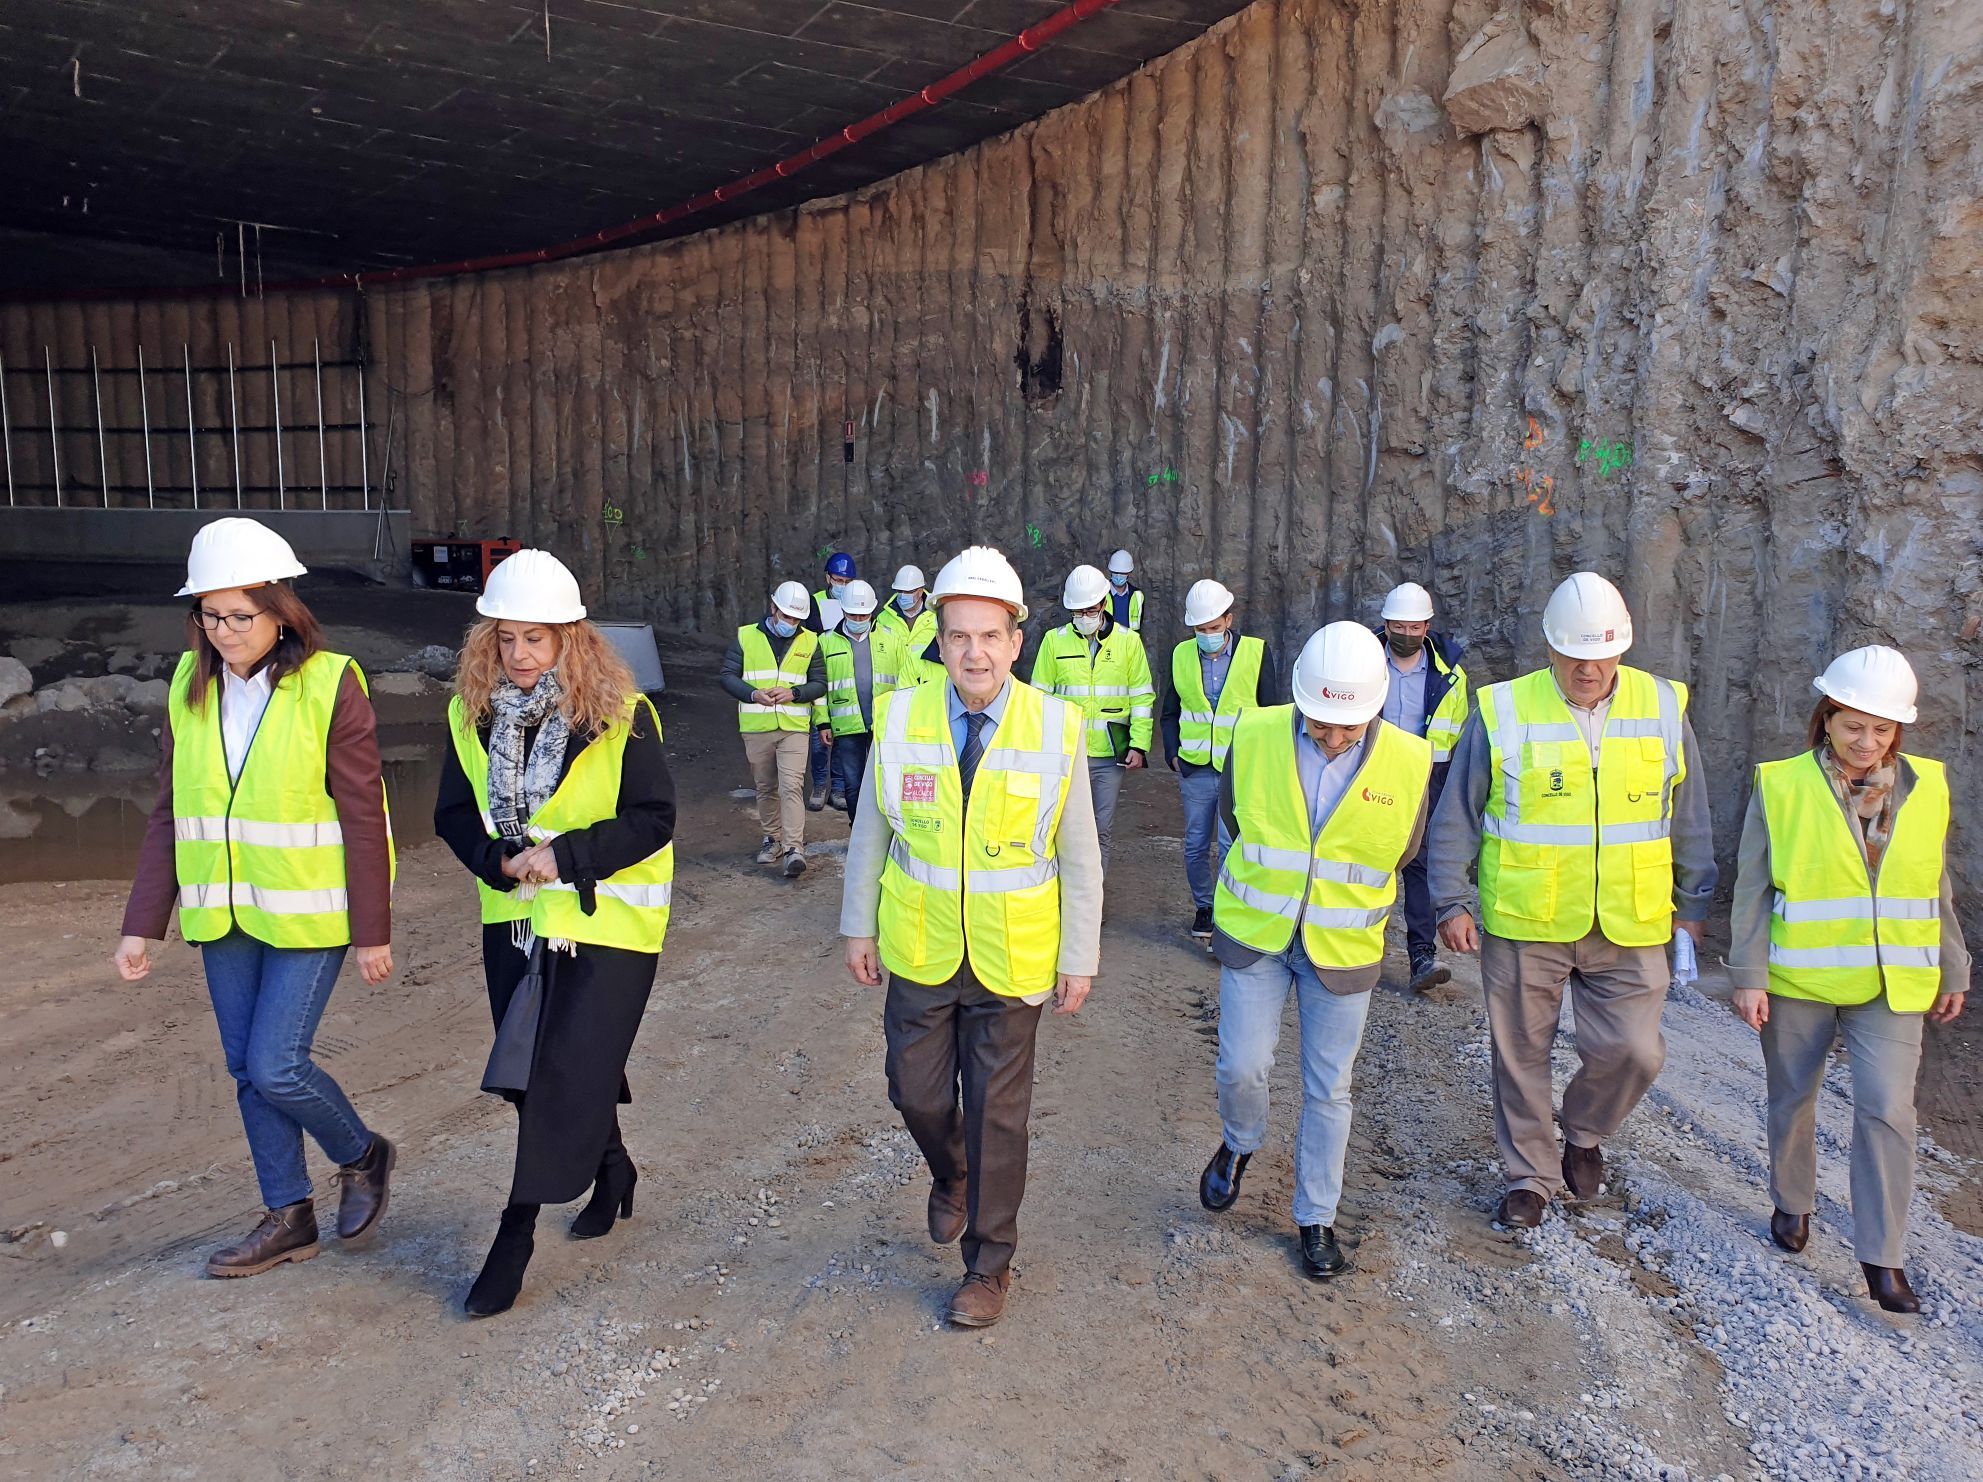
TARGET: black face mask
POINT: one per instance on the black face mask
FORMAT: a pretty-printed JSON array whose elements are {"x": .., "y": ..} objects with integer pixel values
[{"x": 1405, "y": 647}]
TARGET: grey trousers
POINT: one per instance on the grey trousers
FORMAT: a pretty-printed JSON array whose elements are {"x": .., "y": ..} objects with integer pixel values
[
  {"x": 1104, "y": 784},
  {"x": 960, "y": 1042},
  {"x": 1885, "y": 1052},
  {"x": 1617, "y": 994}
]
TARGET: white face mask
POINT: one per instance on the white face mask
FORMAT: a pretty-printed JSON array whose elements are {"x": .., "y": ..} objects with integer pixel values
[{"x": 1087, "y": 624}]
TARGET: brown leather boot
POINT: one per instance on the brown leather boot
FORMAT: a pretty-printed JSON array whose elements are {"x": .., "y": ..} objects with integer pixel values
[
  {"x": 980, "y": 1301},
  {"x": 1520, "y": 1209},
  {"x": 286, "y": 1234},
  {"x": 361, "y": 1199},
  {"x": 947, "y": 1213},
  {"x": 1583, "y": 1170}
]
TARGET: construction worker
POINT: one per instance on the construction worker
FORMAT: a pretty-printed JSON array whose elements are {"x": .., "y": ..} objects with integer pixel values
[
  {"x": 1844, "y": 923},
  {"x": 1324, "y": 800},
  {"x": 824, "y": 617},
  {"x": 1125, "y": 598},
  {"x": 1579, "y": 790},
  {"x": 1428, "y": 697},
  {"x": 774, "y": 673},
  {"x": 975, "y": 879},
  {"x": 909, "y": 615},
  {"x": 556, "y": 797},
  {"x": 270, "y": 835},
  {"x": 1214, "y": 675},
  {"x": 859, "y": 667},
  {"x": 1101, "y": 664}
]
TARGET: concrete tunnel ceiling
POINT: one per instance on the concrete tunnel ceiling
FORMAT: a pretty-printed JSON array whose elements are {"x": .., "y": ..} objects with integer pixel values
[{"x": 374, "y": 134}]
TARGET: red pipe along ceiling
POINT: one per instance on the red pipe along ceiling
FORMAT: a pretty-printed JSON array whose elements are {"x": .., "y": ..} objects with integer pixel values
[{"x": 1032, "y": 39}]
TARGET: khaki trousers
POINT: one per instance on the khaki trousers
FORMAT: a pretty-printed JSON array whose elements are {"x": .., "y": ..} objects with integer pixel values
[
  {"x": 1884, "y": 1049},
  {"x": 778, "y": 768},
  {"x": 1617, "y": 994}
]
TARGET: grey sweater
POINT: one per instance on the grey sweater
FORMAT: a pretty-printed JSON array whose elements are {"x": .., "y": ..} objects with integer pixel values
[
  {"x": 1076, "y": 844},
  {"x": 1755, "y": 897},
  {"x": 1456, "y": 828}
]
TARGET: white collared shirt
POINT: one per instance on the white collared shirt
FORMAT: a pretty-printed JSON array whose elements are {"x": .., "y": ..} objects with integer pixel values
[{"x": 242, "y": 702}]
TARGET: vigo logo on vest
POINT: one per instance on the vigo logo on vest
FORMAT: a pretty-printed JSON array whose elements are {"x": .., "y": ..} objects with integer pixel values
[
  {"x": 919, "y": 787},
  {"x": 1379, "y": 797}
]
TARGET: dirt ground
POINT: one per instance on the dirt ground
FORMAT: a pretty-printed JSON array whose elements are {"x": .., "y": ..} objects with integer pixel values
[{"x": 772, "y": 1309}]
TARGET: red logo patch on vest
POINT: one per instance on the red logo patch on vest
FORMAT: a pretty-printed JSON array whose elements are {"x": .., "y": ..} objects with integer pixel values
[
  {"x": 919, "y": 787},
  {"x": 1379, "y": 797}
]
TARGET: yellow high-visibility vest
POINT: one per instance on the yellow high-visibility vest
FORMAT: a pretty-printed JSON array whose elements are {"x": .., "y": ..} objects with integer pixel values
[
  {"x": 1836, "y": 936},
  {"x": 1204, "y": 733},
  {"x": 840, "y": 707},
  {"x": 763, "y": 671},
  {"x": 915, "y": 635},
  {"x": 1565, "y": 848},
  {"x": 264, "y": 852},
  {"x": 1444, "y": 725},
  {"x": 631, "y": 905},
  {"x": 982, "y": 877},
  {"x": 1112, "y": 687},
  {"x": 1340, "y": 882}
]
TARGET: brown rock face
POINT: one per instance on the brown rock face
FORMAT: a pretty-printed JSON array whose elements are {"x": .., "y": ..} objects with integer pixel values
[{"x": 1497, "y": 80}]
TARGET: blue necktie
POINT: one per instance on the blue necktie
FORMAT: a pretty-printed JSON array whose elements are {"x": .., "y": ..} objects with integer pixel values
[{"x": 974, "y": 747}]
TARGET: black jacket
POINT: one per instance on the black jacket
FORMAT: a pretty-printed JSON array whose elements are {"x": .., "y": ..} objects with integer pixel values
[{"x": 731, "y": 676}]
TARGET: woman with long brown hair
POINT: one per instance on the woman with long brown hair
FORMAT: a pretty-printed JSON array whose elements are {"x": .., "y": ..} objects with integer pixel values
[
  {"x": 270, "y": 835},
  {"x": 556, "y": 797},
  {"x": 1843, "y": 924}
]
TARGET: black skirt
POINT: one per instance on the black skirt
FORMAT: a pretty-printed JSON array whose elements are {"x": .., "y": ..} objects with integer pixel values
[{"x": 593, "y": 1003}]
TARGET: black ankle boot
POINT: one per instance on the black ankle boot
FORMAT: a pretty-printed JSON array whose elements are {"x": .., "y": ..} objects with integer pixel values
[
  {"x": 502, "y": 1273},
  {"x": 612, "y": 1191}
]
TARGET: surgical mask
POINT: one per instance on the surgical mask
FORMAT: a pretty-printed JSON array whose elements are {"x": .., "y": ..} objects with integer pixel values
[
  {"x": 837, "y": 591},
  {"x": 1087, "y": 624},
  {"x": 1119, "y": 580},
  {"x": 855, "y": 627},
  {"x": 782, "y": 628},
  {"x": 1211, "y": 643},
  {"x": 1404, "y": 647},
  {"x": 907, "y": 601}
]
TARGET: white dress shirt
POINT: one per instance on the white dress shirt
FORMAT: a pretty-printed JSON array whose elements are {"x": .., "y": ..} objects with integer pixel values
[{"x": 242, "y": 702}]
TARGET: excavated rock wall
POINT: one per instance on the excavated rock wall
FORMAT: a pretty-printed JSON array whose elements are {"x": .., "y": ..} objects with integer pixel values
[{"x": 1688, "y": 292}]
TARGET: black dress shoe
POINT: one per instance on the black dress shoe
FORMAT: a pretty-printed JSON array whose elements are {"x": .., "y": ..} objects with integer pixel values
[
  {"x": 1520, "y": 1209},
  {"x": 1888, "y": 1286},
  {"x": 1583, "y": 1170},
  {"x": 1321, "y": 1257},
  {"x": 1218, "y": 1186},
  {"x": 1791, "y": 1232},
  {"x": 502, "y": 1273}
]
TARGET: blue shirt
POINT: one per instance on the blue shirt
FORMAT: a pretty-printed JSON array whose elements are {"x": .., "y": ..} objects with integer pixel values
[
  {"x": 1323, "y": 780},
  {"x": 1404, "y": 703},
  {"x": 994, "y": 713},
  {"x": 1119, "y": 604}
]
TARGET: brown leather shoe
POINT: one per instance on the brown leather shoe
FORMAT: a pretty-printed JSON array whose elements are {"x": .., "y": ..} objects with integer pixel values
[
  {"x": 1791, "y": 1232},
  {"x": 1886, "y": 1285},
  {"x": 286, "y": 1234},
  {"x": 361, "y": 1201},
  {"x": 946, "y": 1210},
  {"x": 1520, "y": 1209},
  {"x": 980, "y": 1301},
  {"x": 1583, "y": 1170}
]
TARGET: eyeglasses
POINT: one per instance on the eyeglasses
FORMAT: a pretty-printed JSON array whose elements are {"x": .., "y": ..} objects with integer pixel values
[{"x": 237, "y": 622}]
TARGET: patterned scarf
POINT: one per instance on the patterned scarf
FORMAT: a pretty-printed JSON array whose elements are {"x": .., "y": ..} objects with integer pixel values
[
  {"x": 1869, "y": 802},
  {"x": 519, "y": 785}
]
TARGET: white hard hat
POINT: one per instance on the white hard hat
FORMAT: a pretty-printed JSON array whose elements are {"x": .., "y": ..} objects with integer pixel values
[
  {"x": 1341, "y": 677},
  {"x": 237, "y": 552},
  {"x": 531, "y": 587},
  {"x": 793, "y": 600},
  {"x": 1586, "y": 619},
  {"x": 1875, "y": 679},
  {"x": 910, "y": 579},
  {"x": 1408, "y": 602},
  {"x": 858, "y": 599},
  {"x": 1084, "y": 587},
  {"x": 1205, "y": 601},
  {"x": 1122, "y": 563},
  {"x": 981, "y": 571}
]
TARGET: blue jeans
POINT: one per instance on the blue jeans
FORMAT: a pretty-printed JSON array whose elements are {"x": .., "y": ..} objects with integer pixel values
[
  {"x": 1203, "y": 828},
  {"x": 820, "y": 757},
  {"x": 850, "y": 766},
  {"x": 1250, "y": 1004},
  {"x": 267, "y": 1002}
]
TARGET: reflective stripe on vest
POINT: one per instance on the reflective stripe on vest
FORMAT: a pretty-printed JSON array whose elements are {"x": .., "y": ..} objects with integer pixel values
[
  {"x": 1443, "y": 726},
  {"x": 763, "y": 671},
  {"x": 1204, "y": 734},
  {"x": 840, "y": 706},
  {"x": 631, "y": 906},
  {"x": 1341, "y": 882},
  {"x": 981, "y": 876},
  {"x": 1566, "y": 848},
  {"x": 263, "y": 852},
  {"x": 1112, "y": 686},
  {"x": 1835, "y": 936}
]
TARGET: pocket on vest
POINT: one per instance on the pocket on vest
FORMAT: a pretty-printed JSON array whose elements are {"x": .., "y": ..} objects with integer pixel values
[
  {"x": 1652, "y": 879},
  {"x": 1525, "y": 883}
]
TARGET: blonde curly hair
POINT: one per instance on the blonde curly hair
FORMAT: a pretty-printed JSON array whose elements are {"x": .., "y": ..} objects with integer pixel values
[{"x": 597, "y": 682}]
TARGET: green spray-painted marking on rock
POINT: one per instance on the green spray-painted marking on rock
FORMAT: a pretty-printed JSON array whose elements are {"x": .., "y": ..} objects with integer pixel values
[
  {"x": 1033, "y": 534},
  {"x": 1610, "y": 457}
]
